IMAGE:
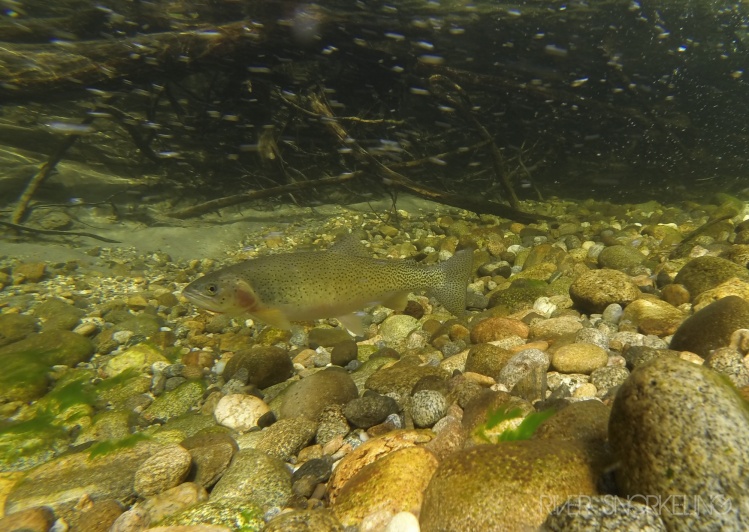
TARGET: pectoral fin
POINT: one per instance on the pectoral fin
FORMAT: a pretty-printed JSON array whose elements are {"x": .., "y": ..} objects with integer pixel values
[
  {"x": 352, "y": 323},
  {"x": 274, "y": 317},
  {"x": 248, "y": 301}
]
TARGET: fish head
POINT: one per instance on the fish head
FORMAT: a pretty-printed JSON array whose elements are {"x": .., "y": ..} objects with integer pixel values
[{"x": 222, "y": 294}]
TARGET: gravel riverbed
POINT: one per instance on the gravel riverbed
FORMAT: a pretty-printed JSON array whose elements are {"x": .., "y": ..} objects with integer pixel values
[{"x": 598, "y": 379}]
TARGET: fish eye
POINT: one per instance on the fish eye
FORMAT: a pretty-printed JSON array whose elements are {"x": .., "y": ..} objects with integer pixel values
[{"x": 212, "y": 289}]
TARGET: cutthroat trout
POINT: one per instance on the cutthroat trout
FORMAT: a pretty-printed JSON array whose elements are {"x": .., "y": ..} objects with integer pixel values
[{"x": 303, "y": 286}]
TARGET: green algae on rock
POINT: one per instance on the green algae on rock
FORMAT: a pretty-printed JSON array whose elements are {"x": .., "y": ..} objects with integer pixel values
[
  {"x": 139, "y": 357},
  {"x": 255, "y": 478},
  {"x": 26, "y": 362},
  {"x": 57, "y": 314},
  {"x": 60, "y": 482},
  {"x": 28, "y": 442},
  {"x": 15, "y": 327},
  {"x": 235, "y": 514},
  {"x": 679, "y": 433},
  {"x": 174, "y": 403}
]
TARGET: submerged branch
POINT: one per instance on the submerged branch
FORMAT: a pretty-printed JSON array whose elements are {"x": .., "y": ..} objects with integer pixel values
[
  {"x": 236, "y": 199},
  {"x": 27, "y": 229}
]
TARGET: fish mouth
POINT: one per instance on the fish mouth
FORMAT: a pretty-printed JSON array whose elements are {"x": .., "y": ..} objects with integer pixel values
[{"x": 199, "y": 300}]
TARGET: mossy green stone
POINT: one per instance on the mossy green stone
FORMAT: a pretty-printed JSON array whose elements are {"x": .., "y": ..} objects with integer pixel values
[
  {"x": 26, "y": 444},
  {"x": 60, "y": 483},
  {"x": 57, "y": 314},
  {"x": 106, "y": 425},
  {"x": 236, "y": 514},
  {"x": 51, "y": 348},
  {"x": 704, "y": 273},
  {"x": 401, "y": 377},
  {"x": 265, "y": 365},
  {"x": 117, "y": 390},
  {"x": 507, "y": 486},
  {"x": 257, "y": 478},
  {"x": 190, "y": 424},
  {"x": 520, "y": 295},
  {"x": 622, "y": 258},
  {"x": 15, "y": 327},
  {"x": 712, "y": 326},
  {"x": 365, "y": 351},
  {"x": 142, "y": 326},
  {"x": 175, "y": 402},
  {"x": 139, "y": 357},
  {"x": 22, "y": 379}
]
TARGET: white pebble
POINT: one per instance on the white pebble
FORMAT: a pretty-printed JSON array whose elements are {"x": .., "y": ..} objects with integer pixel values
[
  {"x": 543, "y": 306},
  {"x": 122, "y": 337},
  {"x": 403, "y": 522},
  {"x": 218, "y": 367},
  {"x": 239, "y": 411}
]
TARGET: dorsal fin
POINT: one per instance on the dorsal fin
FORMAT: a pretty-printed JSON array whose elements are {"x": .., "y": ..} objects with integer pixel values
[{"x": 349, "y": 244}]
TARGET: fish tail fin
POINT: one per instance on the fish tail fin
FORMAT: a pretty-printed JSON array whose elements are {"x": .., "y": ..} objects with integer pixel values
[{"x": 455, "y": 276}]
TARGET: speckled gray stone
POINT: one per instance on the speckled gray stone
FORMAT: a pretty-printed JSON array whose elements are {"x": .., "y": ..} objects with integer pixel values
[
  {"x": 612, "y": 313},
  {"x": 286, "y": 437},
  {"x": 730, "y": 363},
  {"x": 332, "y": 423},
  {"x": 427, "y": 408},
  {"x": 601, "y": 513},
  {"x": 608, "y": 377},
  {"x": 678, "y": 429},
  {"x": 257, "y": 478},
  {"x": 162, "y": 471},
  {"x": 588, "y": 335}
]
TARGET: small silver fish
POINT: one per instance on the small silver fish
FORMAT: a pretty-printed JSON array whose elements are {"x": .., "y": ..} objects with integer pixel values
[{"x": 302, "y": 286}]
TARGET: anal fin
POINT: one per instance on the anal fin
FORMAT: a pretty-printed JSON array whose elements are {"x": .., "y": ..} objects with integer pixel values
[{"x": 274, "y": 317}]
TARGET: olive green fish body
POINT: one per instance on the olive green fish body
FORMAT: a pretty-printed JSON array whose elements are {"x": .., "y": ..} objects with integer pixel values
[{"x": 302, "y": 286}]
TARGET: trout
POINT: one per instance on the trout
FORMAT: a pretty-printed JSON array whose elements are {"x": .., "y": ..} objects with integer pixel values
[{"x": 308, "y": 285}]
